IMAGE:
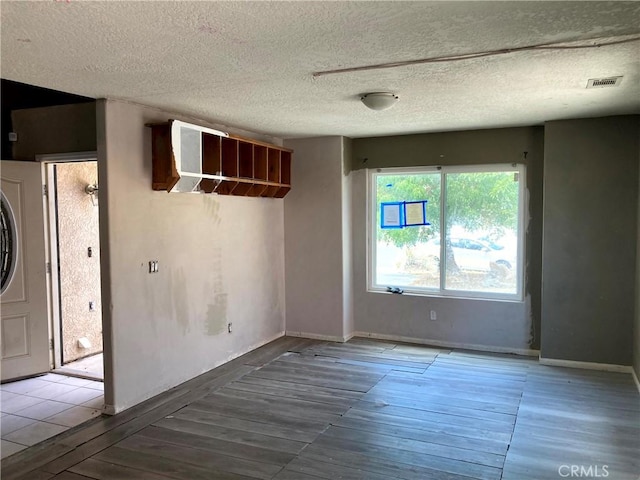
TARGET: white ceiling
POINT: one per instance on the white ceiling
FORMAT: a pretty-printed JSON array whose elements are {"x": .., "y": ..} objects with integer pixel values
[{"x": 250, "y": 64}]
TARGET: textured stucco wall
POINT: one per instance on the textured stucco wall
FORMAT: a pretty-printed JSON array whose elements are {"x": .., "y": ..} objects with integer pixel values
[{"x": 79, "y": 274}]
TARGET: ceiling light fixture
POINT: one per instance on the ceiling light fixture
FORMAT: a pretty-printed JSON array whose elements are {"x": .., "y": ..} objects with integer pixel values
[{"x": 379, "y": 100}]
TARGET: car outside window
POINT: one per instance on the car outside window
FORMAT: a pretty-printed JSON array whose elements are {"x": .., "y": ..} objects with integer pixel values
[{"x": 474, "y": 241}]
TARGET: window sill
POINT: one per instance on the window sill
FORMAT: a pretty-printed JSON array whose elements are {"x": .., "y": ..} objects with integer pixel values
[{"x": 452, "y": 295}]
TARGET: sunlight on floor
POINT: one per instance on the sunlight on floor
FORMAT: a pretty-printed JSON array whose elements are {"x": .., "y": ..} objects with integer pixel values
[{"x": 89, "y": 367}]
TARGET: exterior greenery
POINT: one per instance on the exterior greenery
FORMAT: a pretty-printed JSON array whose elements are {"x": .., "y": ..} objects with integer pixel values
[{"x": 475, "y": 201}]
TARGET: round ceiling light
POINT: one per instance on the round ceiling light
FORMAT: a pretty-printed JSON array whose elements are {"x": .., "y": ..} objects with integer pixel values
[{"x": 379, "y": 100}]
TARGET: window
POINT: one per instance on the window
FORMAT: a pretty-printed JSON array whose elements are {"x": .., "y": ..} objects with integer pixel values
[
  {"x": 473, "y": 244},
  {"x": 8, "y": 253}
]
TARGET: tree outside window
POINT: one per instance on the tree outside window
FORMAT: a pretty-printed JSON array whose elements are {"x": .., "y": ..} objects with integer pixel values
[{"x": 473, "y": 245}]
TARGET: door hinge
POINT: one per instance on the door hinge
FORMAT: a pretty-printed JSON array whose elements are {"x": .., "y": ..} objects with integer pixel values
[
  {"x": 51, "y": 344},
  {"x": 45, "y": 190},
  {"x": 48, "y": 267}
]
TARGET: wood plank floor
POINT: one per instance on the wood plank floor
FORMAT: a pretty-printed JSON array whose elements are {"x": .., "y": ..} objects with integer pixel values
[{"x": 306, "y": 410}]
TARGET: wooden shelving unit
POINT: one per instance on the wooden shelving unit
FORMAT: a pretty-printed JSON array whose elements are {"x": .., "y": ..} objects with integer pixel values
[{"x": 190, "y": 158}]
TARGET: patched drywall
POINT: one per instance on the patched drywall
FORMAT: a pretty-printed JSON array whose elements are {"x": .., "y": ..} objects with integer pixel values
[
  {"x": 221, "y": 260},
  {"x": 590, "y": 239},
  {"x": 78, "y": 231},
  {"x": 502, "y": 325}
]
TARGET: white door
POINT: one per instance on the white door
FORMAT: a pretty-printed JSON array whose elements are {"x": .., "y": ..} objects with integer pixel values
[{"x": 24, "y": 325}]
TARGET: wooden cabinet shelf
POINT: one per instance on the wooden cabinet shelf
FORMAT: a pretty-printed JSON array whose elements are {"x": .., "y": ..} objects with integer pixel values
[{"x": 190, "y": 158}]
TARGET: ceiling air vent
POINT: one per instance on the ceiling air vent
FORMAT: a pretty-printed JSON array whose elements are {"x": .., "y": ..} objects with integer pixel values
[{"x": 604, "y": 82}]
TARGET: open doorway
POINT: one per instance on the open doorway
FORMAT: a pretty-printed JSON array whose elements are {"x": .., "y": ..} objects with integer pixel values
[
  {"x": 73, "y": 209},
  {"x": 36, "y": 403}
]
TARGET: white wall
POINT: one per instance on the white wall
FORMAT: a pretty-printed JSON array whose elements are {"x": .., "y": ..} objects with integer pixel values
[
  {"x": 221, "y": 260},
  {"x": 315, "y": 286}
]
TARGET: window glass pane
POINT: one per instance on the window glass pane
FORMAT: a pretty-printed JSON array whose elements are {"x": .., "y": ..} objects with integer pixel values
[
  {"x": 481, "y": 240},
  {"x": 190, "y": 150},
  {"x": 8, "y": 246},
  {"x": 408, "y": 257}
]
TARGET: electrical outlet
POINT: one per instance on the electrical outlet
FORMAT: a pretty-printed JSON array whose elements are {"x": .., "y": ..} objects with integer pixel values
[
  {"x": 433, "y": 315},
  {"x": 92, "y": 306},
  {"x": 229, "y": 327}
]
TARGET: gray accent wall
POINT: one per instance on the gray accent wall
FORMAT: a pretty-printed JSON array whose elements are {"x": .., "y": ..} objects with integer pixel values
[
  {"x": 636, "y": 329},
  {"x": 483, "y": 324},
  {"x": 56, "y": 129},
  {"x": 590, "y": 239}
]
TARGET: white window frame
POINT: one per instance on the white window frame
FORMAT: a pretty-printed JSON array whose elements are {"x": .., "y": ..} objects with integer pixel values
[{"x": 372, "y": 207}]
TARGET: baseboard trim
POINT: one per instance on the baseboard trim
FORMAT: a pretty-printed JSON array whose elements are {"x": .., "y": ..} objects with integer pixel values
[
  {"x": 112, "y": 410},
  {"x": 635, "y": 378},
  {"x": 606, "y": 367},
  {"x": 316, "y": 336},
  {"x": 252, "y": 347},
  {"x": 444, "y": 344}
]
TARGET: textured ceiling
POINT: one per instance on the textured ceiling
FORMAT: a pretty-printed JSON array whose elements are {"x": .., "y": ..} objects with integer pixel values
[{"x": 250, "y": 64}]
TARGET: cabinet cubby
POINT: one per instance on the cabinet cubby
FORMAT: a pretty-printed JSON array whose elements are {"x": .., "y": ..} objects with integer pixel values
[
  {"x": 245, "y": 160},
  {"x": 211, "y": 161},
  {"x": 190, "y": 158}
]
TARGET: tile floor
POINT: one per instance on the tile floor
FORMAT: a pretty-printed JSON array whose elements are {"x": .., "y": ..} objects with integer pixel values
[
  {"x": 41, "y": 407},
  {"x": 90, "y": 367}
]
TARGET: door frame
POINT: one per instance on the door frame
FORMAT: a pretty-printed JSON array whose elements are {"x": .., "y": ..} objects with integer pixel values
[
  {"x": 51, "y": 234},
  {"x": 31, "y": 257}
]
